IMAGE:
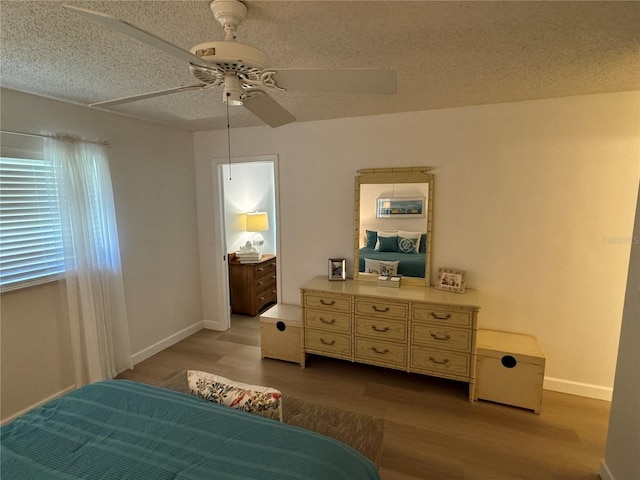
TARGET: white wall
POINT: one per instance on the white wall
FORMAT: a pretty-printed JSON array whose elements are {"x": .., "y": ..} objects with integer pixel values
[
  {"x": 530, "y": 199},
  {"x": 249, "y": 187},
  {"x": 153, "y": 176},
  {"x": 621, "y": 460}
]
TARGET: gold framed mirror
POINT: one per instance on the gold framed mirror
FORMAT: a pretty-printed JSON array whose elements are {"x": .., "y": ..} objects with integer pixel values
[{"x": 394, "y": 224}]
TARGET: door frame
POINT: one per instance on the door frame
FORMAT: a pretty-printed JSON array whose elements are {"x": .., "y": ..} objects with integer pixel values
[{"x": 224, "y": 306}]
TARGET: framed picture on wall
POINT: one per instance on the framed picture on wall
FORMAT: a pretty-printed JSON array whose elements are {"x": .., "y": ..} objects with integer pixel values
[
  {"x": 400, "y": 207},
  {"x": 337, "y": 269},
  {"x": 450, "y": 280}
]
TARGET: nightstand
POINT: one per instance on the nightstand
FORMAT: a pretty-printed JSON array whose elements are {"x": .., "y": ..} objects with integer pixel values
[{"x": 252, "y": 285}]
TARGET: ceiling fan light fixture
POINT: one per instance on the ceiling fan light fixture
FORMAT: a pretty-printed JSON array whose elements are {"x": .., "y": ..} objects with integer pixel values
[{"x": 233, "y": 93}]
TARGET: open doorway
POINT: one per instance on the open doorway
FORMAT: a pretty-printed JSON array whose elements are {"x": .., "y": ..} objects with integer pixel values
[{"x": 249, "y": 225}]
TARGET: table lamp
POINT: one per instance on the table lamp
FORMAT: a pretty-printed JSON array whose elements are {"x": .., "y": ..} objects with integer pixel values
[{"x": 257, "y": 222}]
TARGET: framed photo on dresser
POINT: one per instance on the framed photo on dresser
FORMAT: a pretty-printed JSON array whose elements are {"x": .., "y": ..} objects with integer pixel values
[
  {"x": 450, "y": 280},
  {"x": 337, "y": 269}
]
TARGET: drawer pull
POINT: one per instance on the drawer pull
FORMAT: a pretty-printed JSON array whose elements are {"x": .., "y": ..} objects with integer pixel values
[
  {"x": 437, "y": 317},
  {"x": 327, "y": 343},
  {"x": 385, "y": 329},
  {"x": 376, "y": 309},
  {"x": 324, "y": 302},
  {"x": 261, "y": 269},
  {"x": 328, "y": 322},
  {"x": 439, "y": 337},
  {"x": 441, "y": 362},
  {"x": 381, "y": 352}
]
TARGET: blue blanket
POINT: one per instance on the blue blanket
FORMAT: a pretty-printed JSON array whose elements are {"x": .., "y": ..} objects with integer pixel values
[{"x": 119, "y": 429}]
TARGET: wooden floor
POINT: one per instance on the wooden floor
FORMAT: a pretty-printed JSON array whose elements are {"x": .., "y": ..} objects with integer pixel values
[{"x": 431, "y": 429}]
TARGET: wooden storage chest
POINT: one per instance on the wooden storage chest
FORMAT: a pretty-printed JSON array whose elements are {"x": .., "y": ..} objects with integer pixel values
[
  {"x": 510, "y": 369},
  {"x": 281, "y": 333}
]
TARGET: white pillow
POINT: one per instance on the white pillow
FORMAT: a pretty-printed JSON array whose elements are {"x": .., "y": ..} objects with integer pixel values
[
  {"x": 385, "y": 233},
  {"x": 380, "y": 267},
  {"x": 412, "y": 236},
  {"x": 263, "y": 401}
]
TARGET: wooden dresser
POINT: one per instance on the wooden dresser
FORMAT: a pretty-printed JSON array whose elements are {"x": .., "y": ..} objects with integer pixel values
[
  {"x": 416, "y": 329},
  {"x": 252, "y": 285}
]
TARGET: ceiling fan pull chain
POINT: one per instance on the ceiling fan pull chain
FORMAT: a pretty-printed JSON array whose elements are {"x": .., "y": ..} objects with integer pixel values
[{"x": 228, "y": 137}]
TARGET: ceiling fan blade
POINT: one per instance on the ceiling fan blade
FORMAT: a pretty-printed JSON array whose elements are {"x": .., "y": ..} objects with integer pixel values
[
  {"x": 354, "y": 80},
  {"x": 158, "y": 93},
  {"x": 134, "y": 32},
  {"x": 267, "y": 109}
]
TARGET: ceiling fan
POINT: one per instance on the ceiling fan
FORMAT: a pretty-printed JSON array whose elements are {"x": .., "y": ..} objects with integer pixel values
[{"x": 244, "y": 71}]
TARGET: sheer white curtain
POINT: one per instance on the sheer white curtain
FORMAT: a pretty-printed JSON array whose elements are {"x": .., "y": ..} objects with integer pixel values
[{"x": 94, "y": 289}]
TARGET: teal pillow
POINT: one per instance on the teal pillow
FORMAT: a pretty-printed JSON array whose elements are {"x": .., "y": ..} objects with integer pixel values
[
  {"x": 407, "y": 245},
  {"x": 388, "y": 244},
  {"x": 372, "y": 238},
  {"x": 423, "y": 243}
]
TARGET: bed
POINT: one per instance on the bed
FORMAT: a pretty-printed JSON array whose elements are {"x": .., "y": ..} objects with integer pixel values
[
  {"x": 119, "y": 429},
  {"x": 381, "y": 252}
]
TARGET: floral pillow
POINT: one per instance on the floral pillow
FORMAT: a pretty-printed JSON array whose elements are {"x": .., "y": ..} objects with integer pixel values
[
  {"x": 381, "y": 267},
  {"x": 263, "y": 401}
]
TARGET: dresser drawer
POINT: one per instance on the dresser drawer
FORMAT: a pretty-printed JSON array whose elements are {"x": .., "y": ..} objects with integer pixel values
[
  {"x": 381, "y": 328},
  {"x": 441, "y": 316},
  {"x": 267, "y": 282},
  {"x": 379, "y": 352},
  {"x": 441, "y": 337},
  {"x": 266, "y": 269},
  {"x": 381, "y": 308},
  {"x": 439, "y": 361},
  {"x": 327, "y": 342},
  {"x": 327, "y": 321},
  {"x": 266, "y": 296},
  {"x": 327, "y": 301}
]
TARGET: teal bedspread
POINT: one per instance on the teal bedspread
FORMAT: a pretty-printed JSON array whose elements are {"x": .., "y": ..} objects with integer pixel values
[{"x": 119, "y": 429}]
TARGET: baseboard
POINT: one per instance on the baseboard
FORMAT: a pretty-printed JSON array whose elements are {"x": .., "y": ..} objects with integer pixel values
[
  {"x": 166, "y": 343},
  {"x": 35, "y": 405},
  {"x": 576, "y": 388},
  {"x": 214, "y": 325},
  {"x": 604, "y": 472}
]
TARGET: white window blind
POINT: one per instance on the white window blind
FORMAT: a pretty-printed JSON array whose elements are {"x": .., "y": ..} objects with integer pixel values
[{"x": 30, "y": 234}]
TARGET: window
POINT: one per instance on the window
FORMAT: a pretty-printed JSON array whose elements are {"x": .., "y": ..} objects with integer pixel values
[{"x": 31, "y": 248}]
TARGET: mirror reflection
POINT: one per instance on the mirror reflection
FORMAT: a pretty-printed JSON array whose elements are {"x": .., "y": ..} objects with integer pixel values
[{"x": 393, "y": 229}]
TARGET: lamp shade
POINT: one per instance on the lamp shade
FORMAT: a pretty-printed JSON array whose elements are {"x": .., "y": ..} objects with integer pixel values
[{"x": 257, "y": 222}]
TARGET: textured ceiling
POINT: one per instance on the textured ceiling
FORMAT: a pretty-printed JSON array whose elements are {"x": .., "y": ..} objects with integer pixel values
[{"x": 446, "y": 54}]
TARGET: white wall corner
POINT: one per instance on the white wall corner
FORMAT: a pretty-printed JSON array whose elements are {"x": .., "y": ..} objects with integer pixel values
[
  {"x": 166, "y": 343},
  {"x": 577, "y": 388},
  {"x": 37, "y": 404},
  {"x": 604, "y": 472},
  {"x": 214, "y": 325}
]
